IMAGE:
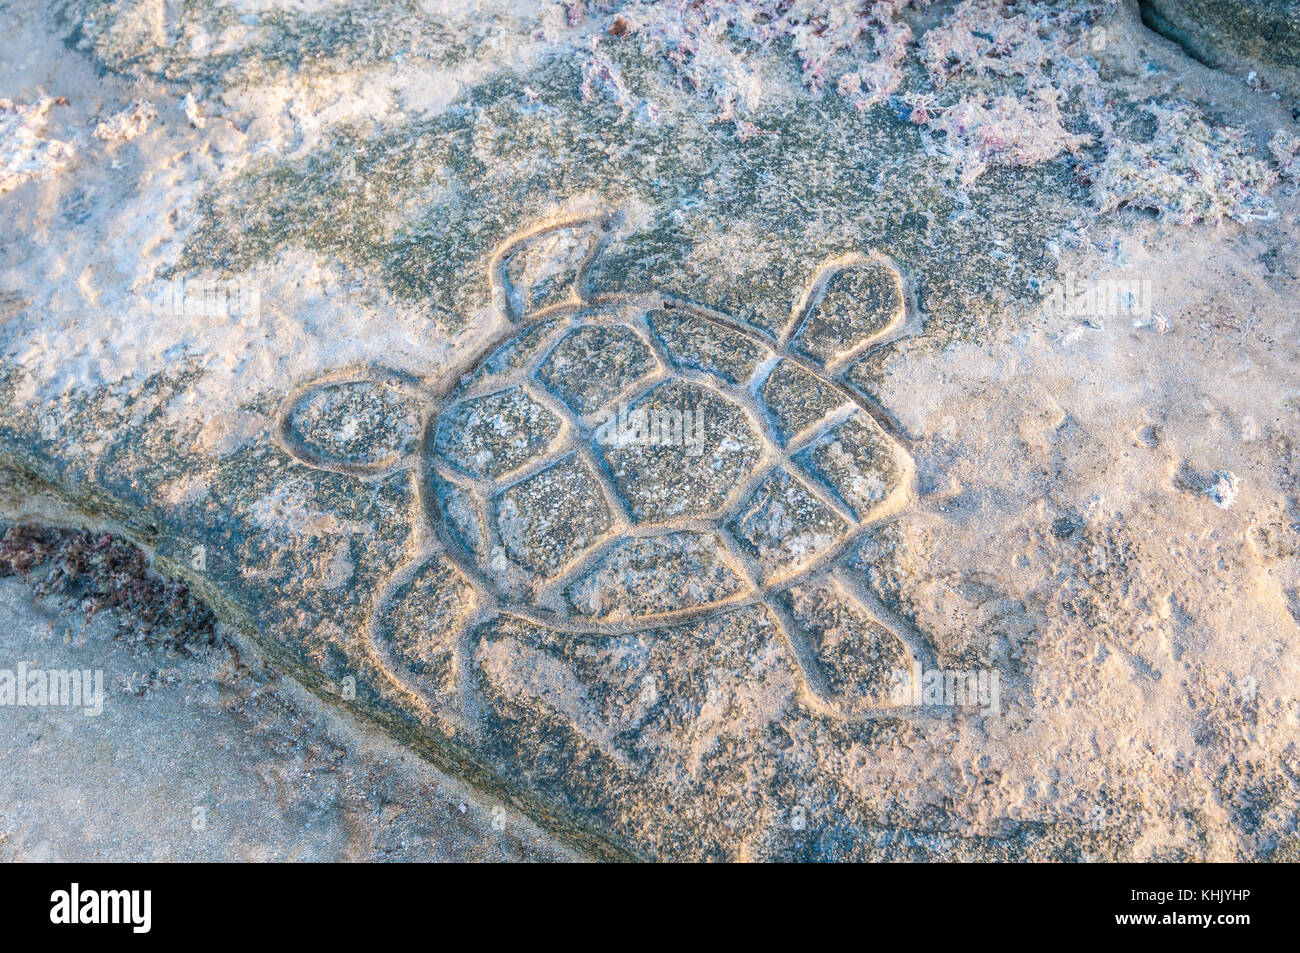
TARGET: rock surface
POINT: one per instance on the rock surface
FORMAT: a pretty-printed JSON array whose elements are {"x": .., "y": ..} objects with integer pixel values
[
  {"x": 197, "y": 751},
  {"x": 716, "y": 449},
  {"x": 1264, "y": 34}
]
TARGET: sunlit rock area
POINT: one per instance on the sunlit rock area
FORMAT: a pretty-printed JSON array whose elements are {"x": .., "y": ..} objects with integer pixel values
[{"x": 684, "y": 430}]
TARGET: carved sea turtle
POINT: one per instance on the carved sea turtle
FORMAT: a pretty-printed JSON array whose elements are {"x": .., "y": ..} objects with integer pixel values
[{"x": 623, "y": 462}]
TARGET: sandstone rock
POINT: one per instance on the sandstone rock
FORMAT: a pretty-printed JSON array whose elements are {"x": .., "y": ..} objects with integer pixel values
[
  {"x": 1241, "y": 34},
  {"x": 644, "y": 436}
]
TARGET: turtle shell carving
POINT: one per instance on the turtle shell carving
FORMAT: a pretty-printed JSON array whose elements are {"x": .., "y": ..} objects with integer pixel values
[{"x": 613, "y": 463}]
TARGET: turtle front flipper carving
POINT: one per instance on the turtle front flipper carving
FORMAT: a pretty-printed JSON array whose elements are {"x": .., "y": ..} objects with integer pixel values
[{"x": 612, "y": 464}]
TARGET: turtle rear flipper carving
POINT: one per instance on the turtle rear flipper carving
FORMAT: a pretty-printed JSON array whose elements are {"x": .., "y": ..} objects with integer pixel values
[{"x": 612, "y": 464}]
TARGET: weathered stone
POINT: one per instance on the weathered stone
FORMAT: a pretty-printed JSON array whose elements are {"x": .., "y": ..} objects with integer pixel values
[
  {"x": 685, "y": 450},
  {"x": 786, "y": 527},
  {"x": 656, "y": 575},
  {"x": 491, "y": 436},
  {"x": 862, "y": 464},
  {"x": 420, "y": 622},
  {"x": 461, "y": 511},
  {"x": 365, "y": 423},
  {"x": 858, "y": 304},
  {"x": 515, "y": 353},
  {"x": 796, "y": 399},
  {"x": 594, "y": 364},
  {"x": 354, "y": 336},
  {"x": 708, "y": 347},
  {"x": 548, "y": 519},
  {"x": 863, "y": 663},
  {"x": 1234, "y": 33}
]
